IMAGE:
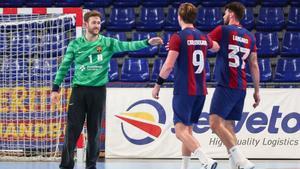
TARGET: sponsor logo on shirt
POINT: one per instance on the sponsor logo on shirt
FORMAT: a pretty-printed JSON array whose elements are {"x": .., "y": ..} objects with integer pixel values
[
  {"x": 95, "y": 67},
  {"x": 82, "y": 68},
  {"x": 99, "y": 49}
]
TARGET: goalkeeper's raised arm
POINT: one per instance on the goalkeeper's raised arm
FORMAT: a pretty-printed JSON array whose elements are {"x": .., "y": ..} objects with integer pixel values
[
  {"x": 91, "y": 55},
  {"x": 92, "y": 52}
]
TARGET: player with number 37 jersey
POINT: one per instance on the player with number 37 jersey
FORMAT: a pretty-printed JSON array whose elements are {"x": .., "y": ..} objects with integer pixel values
[{"x": 236, "y": 44}]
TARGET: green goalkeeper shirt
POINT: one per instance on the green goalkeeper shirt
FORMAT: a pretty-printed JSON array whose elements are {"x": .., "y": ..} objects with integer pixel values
[{"x": 92, "y": 59}]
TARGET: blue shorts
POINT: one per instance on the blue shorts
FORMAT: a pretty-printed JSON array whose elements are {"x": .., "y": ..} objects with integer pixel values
[
  {"x": 228, "y": 103},
  {"x": 187, "y": 109}
]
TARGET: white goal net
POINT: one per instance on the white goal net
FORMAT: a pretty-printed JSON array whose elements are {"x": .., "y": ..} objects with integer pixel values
[{"x": 31, "y": 49}]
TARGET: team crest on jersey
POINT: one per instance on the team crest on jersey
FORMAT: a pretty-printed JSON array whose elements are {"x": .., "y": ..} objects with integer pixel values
[{"x": 99, "y": 49}]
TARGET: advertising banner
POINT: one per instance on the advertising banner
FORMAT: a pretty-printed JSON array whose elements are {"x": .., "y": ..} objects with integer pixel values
[
  {"x": 138, "y": 126},
  {"x": 28, "y": 119}
]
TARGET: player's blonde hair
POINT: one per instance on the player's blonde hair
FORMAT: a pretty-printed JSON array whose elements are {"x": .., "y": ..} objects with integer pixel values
[{"x": 188, "y": 12}]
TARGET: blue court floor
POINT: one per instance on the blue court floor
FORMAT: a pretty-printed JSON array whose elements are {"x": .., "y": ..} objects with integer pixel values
[{"x": 149, "y": 164}]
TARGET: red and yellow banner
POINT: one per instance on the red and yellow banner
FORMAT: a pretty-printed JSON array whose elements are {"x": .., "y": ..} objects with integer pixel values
[{"x": 27, "y": 115}]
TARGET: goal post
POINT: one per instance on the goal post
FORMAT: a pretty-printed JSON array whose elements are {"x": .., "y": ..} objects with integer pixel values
[
  {"x": 77, "y": 12},
  {"x": 32, "y": 44}
]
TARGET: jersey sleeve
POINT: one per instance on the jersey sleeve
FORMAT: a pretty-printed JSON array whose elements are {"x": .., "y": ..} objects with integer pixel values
[
  {"x": 65, "y": 65},
  {"x": 216, "y": 34},
  {"x": 174, "y": 43},
  {"x": 209, "y": 43},
  {"x": 122, "y": 46}
]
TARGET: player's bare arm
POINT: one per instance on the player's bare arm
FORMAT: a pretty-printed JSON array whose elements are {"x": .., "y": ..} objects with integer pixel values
[
  {"x": 169, "y": 64},
  {"x": 165, "y": 71},
  {"x": 254, "y": 69},
  {"x": 215, "y": 47}
]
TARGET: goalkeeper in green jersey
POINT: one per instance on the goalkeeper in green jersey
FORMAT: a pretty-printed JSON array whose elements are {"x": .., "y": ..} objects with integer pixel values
[{"x": 91, "y": 54}]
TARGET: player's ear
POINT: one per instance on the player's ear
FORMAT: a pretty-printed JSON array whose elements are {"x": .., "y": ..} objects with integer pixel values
[
  {"x": 231, "y": 15},
  {"x": 85, "y": 24}
]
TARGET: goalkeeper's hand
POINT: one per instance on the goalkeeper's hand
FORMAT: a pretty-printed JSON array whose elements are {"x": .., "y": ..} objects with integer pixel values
[
  {"x": 155, "y": 41},
  {"x": 55, "y": 97}
]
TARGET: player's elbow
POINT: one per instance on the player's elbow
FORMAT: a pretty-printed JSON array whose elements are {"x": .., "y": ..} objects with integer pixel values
[
  {"x": 254, "y": 67},
  {"x": 215, "y": 47}
]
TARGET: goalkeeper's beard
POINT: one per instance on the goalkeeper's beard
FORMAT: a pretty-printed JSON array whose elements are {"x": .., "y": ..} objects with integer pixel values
[{"x": 94, "y": 31}]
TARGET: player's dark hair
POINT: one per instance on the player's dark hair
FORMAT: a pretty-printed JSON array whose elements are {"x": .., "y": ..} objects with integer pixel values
[
  {"x": 89, "y": 14},
  {"x": 188, "y": 12},
  {"x": 237, "y": 8}
]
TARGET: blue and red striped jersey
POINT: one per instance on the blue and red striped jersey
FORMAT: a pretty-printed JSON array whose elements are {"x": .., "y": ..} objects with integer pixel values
[
  {"x": 236, "y": 44},
  {"x": 192, "y": 45}
]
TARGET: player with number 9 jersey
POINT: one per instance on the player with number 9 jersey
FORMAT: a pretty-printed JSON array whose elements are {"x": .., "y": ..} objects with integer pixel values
[
  {"x": 187, "y": 55},
  {"x": 190, "y": 75}
]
